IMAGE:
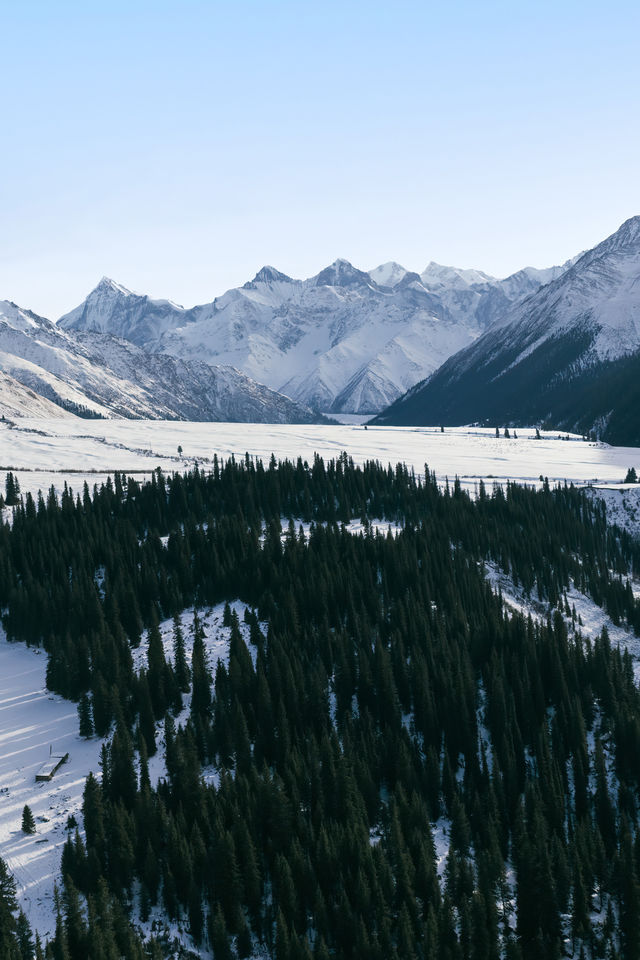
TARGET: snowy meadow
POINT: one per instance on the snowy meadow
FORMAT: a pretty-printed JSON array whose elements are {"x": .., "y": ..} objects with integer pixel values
[{"x": 43, "y": 452}]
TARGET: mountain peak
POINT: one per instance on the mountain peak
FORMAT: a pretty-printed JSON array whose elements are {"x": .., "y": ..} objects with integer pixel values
[
  {"x": 436, "y": 274},
  {"x": 107, "y": 285},
  {"x": 270, "y": 275},
  {"x": 574, "y": 342},
  {"x": 388, "y": 274},
  {"x": 628, "y": 234},
  {"x": 341, "y": 273},
  {"x": 622, "y": 245}
]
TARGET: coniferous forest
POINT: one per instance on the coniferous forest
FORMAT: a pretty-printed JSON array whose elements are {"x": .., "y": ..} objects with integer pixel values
[{"x": 386, "y": 708}]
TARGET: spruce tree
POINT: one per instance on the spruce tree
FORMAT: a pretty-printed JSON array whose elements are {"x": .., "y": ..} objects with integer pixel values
[
  {"x": 84, "y": 716},
  {"x": 156, "y": 671},
  {"x": 181, "y": 667},
  {"x": 28, "y": 822},
  {"x": 201, "y": 693},
  {"x": 12, "y": 490}
]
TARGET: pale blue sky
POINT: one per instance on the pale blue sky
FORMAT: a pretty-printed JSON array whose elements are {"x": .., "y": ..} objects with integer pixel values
[{"x": 179, "y": 146}]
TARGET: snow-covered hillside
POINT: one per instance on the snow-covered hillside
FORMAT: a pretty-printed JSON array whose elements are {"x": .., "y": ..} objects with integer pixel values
[
  {"x": 16, "y": 400},
  {"x": 33, "y": 721},
  {"x": 567, "y": 354},
  {"x": 106, "y": 376},
  {"x": 599, "y": 294},
  {"x": 343, "y": 340}
]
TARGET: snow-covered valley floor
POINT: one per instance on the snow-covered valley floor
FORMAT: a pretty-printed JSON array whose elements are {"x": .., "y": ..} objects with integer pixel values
[
  {"x": 45, "y": 453},
  {"x": 89, "y": 449}
]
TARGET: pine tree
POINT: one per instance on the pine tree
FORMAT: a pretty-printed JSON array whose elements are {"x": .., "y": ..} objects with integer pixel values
[
  {"x": 28, "y": 822},
  {"x": 156, "y": 672},
  {"x": 629, "y": 902},
  {"x": 73, "y": 920},
  {"x": 181, "y": 667},
  {"x": 85, "y": 718},
  {"x": 218, "y": 936},
  {"x": 244, "y": 945},
  {"x": 8, "y": 907},
  {"x": 12, "y": 490},
  {"x": 147, "y": 719},
  {"x": 24, "y": 937},
  {"x": 201, "y": 694},
  {"x": 196, "y": 916}
]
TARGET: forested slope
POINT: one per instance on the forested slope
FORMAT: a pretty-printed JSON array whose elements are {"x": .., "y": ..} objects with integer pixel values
[{"x": 389, "y": 700}]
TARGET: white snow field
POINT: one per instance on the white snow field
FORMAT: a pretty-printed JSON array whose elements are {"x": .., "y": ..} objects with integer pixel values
[{"x": 52, "y": 451}]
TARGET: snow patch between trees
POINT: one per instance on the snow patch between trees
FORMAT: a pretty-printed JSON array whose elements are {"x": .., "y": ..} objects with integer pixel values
[{"x": 31, "y": 721}]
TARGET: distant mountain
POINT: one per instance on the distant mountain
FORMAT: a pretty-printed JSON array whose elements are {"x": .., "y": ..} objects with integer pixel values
[
  {"x": 99, "y": 375},
  {"x": 113, "y": 309},
  {"x": 568, "y": 355},
  {"x": 344, "y": 340}
]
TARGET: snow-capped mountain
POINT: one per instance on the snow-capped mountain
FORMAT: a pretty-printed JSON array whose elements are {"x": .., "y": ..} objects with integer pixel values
[
  {"x": 343, "y": 340},
  {"x": 139, "y": 318},
  {"x": 99, "y": 375},
  {"x": 388, "y": 274},
  {"x": 568, "y": 354}
]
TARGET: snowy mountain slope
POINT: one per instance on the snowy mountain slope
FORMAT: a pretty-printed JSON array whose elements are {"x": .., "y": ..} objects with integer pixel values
[
  {"x": 17, "y": 400},
  {"x": 111, "y": 377},
  {"x": 388, "y": 274},
  {"x": 568, "y": 354},
  {"x": 343, "y": 340},
  {"x": 141, "y": 319}
]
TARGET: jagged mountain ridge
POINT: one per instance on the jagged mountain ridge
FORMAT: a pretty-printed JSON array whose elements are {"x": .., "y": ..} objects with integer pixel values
[
  {"x": 100, "y": 375},
  {"x": 568, "y": 355},
  {"x": 144, "y": 322},
  {"x": 344, "y": 340}
]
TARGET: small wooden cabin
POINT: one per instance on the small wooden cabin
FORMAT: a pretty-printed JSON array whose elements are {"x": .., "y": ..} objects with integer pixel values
[{"x": 49, "y": 768}]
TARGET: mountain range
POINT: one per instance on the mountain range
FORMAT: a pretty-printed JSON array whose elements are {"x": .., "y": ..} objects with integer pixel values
[
  {"x": 557, "y": 347},
  {"x": 47, "y": 372},
  {"x": 342, "y": 341},
  {"x": 568, "y": 355}
]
